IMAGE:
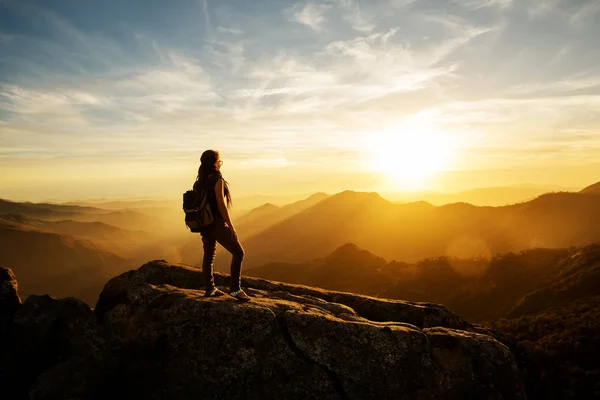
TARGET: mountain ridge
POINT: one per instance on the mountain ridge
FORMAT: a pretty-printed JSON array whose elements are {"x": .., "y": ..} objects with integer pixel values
[
  {"x": 592, "y": 189},
  {"x": 412, "y": 231},
  {"x": 59, "y": 264}
]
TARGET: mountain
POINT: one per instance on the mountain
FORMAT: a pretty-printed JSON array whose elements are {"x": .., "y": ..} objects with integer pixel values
[
  {"x": 268, "y": 215},
  {"x": 244, "y": 204},
  {"x": 132, "y": 204},
  {"x": 478, "y": 289},
  {"x": 125, "y": 219},
  {"x": 347, "y": 268},
  {"x": 592, "y": 189},
  {"x": 317, "y": 230},
  {"x": 558, "y": 347},
  {"x": 557, "y": 329},
  {"x": 254, "y": 216},
  {"x": 488, "y": 196},
  {"x": 44, "y": 209},
  {"x": 102, "y": 235},
  {"x": 413, "y": 231},
  {"x": 577, "y": 277},
  {"x": 153, "y": 335},
  {"x": 57, "y": 264}
]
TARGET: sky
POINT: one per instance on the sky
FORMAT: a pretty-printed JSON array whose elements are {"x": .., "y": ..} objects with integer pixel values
[{"x": 119, "y": 98}]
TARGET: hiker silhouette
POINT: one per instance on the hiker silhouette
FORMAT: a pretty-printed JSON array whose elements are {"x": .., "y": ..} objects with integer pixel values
[{"x": 210, "y": 180}]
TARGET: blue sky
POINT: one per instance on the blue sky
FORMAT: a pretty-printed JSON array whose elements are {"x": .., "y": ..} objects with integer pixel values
[{"x": 107, "y": 91}]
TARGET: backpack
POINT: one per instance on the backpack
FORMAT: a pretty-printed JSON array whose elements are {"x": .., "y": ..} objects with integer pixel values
[{"x": 198, "y": 214}]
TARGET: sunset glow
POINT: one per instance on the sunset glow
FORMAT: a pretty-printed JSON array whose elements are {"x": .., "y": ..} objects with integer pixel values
[
  {"x": 113, "y": 99},
  {"x": 411, "y": 154}
]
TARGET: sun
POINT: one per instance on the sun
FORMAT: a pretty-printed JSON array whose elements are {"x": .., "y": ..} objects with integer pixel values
[{"x": 410, "y": 155}]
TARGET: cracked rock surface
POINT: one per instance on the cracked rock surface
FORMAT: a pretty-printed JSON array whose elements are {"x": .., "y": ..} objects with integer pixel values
[{"x": 155, "y": 336}]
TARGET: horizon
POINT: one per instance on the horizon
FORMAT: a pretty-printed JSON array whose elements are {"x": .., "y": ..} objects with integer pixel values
[
  {"x": 259, "y": 199},
  {"x": 389, "y": 96}
]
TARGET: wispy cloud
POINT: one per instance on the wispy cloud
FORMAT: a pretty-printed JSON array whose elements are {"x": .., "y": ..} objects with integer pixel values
[
  {"x": 587, "y": 12},
  {"x": 544, "y": 8},
  {"x": 477, "y": 4},
  {"x": 360, "y": 19},
  {"x": 562, "y": 86},
  {"x": 206, "y": 14},
  {"x": 349, "y": 72},
  {"x": 233, "y": 31},
  {"x": 311, "y": 14}
]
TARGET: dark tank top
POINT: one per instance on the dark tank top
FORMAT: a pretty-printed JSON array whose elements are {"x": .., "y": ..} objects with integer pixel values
[{"x": 209, "y": 187}]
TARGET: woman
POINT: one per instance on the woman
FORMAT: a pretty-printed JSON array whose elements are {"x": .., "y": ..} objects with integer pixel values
[{"x": 211, "y": 181}]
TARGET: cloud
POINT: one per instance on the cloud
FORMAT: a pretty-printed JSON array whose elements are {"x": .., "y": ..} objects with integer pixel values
[
  {"x": 311, "y": 14},
  {"x": 561, "y": 54},
  {"x": 260, "y": 83},
  {"x": 478, "y": 4},
  {"x": 206, "y": 15},
  {"x": 543, "y": 8},
  {"x": 178, "y": 84},
  {"x": 588, "y": 10},
  {"x": 233, "y": 31},
  {"x": 345, "y": 72},
  {"x": 562, "y": 86},
  {"x": 512, "y": 120},
  {"x": 360, "y": 18}
]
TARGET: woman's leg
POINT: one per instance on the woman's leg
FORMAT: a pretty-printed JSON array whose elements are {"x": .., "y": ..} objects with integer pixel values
[
  {"x": 230, "y": 242},
  {"x": 210, "y": 251}
]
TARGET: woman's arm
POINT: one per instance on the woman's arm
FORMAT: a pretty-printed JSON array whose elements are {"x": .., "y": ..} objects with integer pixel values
[{"x": 220, "y": 193}]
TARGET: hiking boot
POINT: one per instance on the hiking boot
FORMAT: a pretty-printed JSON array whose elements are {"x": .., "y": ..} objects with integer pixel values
[
  {"x": 214, "y": 292},
  {"x": 240, "y": 295}
]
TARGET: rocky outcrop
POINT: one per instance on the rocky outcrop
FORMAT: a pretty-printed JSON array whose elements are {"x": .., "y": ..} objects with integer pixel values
[
  {"x": 9, "y": 293},
  {"x": 155, "y": 336}
]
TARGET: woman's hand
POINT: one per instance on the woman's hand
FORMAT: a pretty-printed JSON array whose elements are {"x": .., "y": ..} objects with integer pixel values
[{"x": 232, "y": 229}]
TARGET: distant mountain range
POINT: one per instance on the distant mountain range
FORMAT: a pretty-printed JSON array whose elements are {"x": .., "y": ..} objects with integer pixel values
[
  {"x": 69, "y": 250},
  {"x": 56, "y": 264},
  {"x": 105, "y": 236},
  {"x": 487, "y": 196},
  {"x": 126, "y": 204},
  {"x": 312, "y": 229},
  {"x": 126, "y": 219},
  {"x": 413, "y": 231}
]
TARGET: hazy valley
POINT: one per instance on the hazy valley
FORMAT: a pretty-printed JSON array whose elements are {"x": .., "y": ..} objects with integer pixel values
[{"x": 91, "y": 241}]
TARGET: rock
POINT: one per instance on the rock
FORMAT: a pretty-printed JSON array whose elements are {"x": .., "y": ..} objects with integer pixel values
[
  {"x": 291, "y": 342},
  {"x": 45, "y": 332},
  {"x": 374, "y": 309},
  {"x": 10, "y": 303},
  {"x": 9, "y": 294},
  {"x": 56, "y": 327},
  {"x": 159, "y": 337}
]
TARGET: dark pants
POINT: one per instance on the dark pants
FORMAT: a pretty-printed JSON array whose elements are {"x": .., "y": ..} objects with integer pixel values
[{"x": 225, "y": 237}]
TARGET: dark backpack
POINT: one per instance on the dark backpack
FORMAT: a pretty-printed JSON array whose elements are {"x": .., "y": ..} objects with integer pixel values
[{"x": 198, "y": 214}]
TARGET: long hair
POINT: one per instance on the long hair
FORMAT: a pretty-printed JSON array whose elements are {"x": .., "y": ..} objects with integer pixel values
[{"x": 208, "y": 172}]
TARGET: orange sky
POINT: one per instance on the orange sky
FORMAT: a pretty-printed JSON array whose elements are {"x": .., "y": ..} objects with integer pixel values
[{"x": 385, "y": 95}]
